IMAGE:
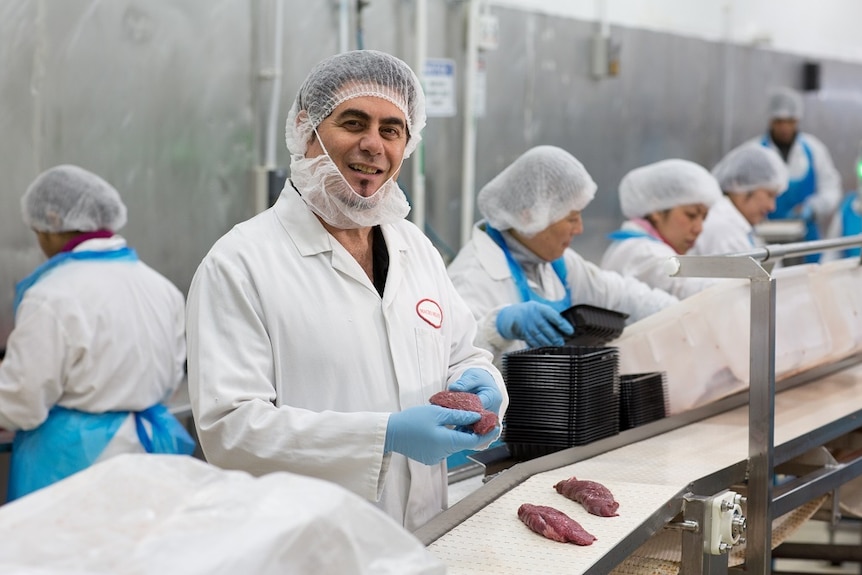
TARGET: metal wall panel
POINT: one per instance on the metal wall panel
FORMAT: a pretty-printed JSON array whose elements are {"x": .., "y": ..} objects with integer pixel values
[
  {"x": 153, "y": 96},
  {"x": 169, "y": 101},
  {"x": 673, "y": 97}
]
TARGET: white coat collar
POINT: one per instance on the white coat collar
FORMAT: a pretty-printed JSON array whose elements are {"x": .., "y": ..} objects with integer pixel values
[
  {"x": 725, "y": 210},
  {"x": 492, "y": 258},
  {"x": 308, "y": 234}
]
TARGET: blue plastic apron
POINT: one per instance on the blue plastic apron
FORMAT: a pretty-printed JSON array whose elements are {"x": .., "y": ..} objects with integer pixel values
[
  {"x": 524, "y": 289},
  {"x": 69, "y": 441},
  {"x": 621, "y": 235},
  {"x": 797, "y": 192},
  {"x": 851, "y": 224}
]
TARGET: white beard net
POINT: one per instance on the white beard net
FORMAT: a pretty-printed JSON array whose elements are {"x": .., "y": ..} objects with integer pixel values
[{"x": 325, "y": 190}]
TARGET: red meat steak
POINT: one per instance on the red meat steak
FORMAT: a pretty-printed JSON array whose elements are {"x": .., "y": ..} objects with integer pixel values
[
  {"x": 595, "y": 497},
  {"x": 467, "y": 402},
  {"x": 554, "y": 524}
]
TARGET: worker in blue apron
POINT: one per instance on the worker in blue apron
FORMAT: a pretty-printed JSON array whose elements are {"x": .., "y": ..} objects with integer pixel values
[
  {"x": 791, "y": 204},
  {"x": 78, "y": 383},
  {"x": 848, "y": 221},
  {"x": 539, "y": 322},
  {"x": 815, "y": 189},
  {"x": 518, "y": 272}
]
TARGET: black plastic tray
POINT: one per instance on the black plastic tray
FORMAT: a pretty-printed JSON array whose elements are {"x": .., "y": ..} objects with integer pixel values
[{"x": 594, "y": 325}]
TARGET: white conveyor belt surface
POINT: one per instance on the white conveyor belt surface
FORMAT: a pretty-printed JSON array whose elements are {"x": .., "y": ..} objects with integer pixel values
[{"x": 643, "y": 476}]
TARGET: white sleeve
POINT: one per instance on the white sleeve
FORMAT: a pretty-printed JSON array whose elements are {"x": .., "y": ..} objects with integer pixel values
[
  {"x": 829, "y": 187},
  {"x": 487, "y": 337},
  {"x": 608, "y": 289},
  {"x": 31, "y": 375}
]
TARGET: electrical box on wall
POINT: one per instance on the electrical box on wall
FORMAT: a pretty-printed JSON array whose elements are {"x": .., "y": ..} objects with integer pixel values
[
  {"x": 488, "y": 32},
  {"x": 811, "y": 76},
  {"x": 605, "y": 56}
]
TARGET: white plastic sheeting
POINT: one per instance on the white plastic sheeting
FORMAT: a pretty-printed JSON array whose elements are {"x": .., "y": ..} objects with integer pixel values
[
  {"x": 702, "y": 343},
  {"x": 159, "y": 514}
]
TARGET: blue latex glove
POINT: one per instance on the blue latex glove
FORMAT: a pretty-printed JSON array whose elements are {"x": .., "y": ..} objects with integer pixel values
[
  {"x": 482, "y": 383},
  {"x": 421, "y": 433},
  {"x": 807, "y": 212},
  {"x": 536, "y": 323}
]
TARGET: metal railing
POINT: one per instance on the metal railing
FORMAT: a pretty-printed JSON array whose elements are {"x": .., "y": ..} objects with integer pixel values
[{"x": 761, "y": 412}]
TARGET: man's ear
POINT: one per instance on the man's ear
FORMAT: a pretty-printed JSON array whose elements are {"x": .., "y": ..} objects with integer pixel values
[{"x": 301, "y": 118}]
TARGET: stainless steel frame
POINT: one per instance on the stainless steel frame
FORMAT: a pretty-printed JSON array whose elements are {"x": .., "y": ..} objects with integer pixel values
[
  {"x": 764, "y": 501},
  {"x": 761, "y": 394}
]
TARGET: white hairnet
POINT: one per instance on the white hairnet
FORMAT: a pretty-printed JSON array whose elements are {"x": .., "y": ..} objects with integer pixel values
[
  {"x": 67, "y": 198},
  {"x": 539, "y": 188},
  {"x": 665, "y": 185},
  {"x": 751, "y": 167},
  {"x": 785, "y": 103},
  {"x": 352, "y": 75}
]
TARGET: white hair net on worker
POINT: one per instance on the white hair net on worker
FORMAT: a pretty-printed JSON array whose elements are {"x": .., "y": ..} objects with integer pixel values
[
  {"x": 333, "y": 81},
  {"x": 751, "y": 167},
  {"x": 68, "y": 198},
  {"x": 349, "y": 75},
  {"x": 665, "y": 185},
  {"x": 538, "y": 189},
  {"x": 784, "y": 104}
]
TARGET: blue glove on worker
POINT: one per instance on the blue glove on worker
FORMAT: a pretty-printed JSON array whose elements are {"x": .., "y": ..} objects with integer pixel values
[
  {"x": 483, "y": 384},
  {"x": 421, "y": 433},
  {"x": 536, "y": 323}
]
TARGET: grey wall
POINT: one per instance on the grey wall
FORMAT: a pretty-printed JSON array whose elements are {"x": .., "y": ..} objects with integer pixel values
[
  {"x": 673, "y": 97},
  {"x": 168, "y": 101}
]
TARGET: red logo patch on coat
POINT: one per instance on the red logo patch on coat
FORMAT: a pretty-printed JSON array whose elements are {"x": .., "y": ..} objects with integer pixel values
[{"x": 429, "y": 310}]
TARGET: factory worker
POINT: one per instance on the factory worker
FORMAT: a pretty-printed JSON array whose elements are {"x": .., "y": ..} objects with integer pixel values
[
  {"x": 518, "y": 272},
  {"x": 319, "y": 329},
  {"x": 848, "y": 218},
  {"x": 98, "y": 341},
  {"x": 751, "y": 177},
  {"x": 814, "y": 190},
  {"x": 666, "y": 204}
]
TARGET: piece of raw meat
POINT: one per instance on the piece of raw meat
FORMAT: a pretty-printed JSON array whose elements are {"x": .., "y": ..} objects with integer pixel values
[
  {"x": 554, "y": 524},
  {"x": 468, "y": 402},
  {"x": 595, "y": 497}
]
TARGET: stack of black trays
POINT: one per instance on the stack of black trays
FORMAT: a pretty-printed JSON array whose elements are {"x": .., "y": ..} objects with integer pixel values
[
  {"x": 643, "y": 398},
  {"x": 560, "y": 397},
  {"x": 594, "y": 326}
]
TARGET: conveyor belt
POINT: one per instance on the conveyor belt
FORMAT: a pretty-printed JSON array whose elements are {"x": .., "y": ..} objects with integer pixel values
[{"x": 648, "y": 478}]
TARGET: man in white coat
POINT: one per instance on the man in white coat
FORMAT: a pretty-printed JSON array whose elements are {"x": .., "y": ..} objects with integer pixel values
[
  {"x": 814, "y": 190},
  {"x": 751, "y": 177},
  {"x": 518, "y": 272},
  {"x": 319, "y": 329}
]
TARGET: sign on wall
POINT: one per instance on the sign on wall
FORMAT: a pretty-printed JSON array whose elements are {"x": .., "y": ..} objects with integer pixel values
[{"x": 439, "y": 84}]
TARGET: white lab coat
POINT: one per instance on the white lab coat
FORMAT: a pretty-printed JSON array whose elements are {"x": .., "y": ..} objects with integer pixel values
[
  {"x": 645, "y": 258},
  {"x": 482, "y": 276},
  {"x": 725, "y": 231},
  {"x": 829, "y": 187},
  {"x": 94, "y": 336},
  {"x": 296, "y": 362}
]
